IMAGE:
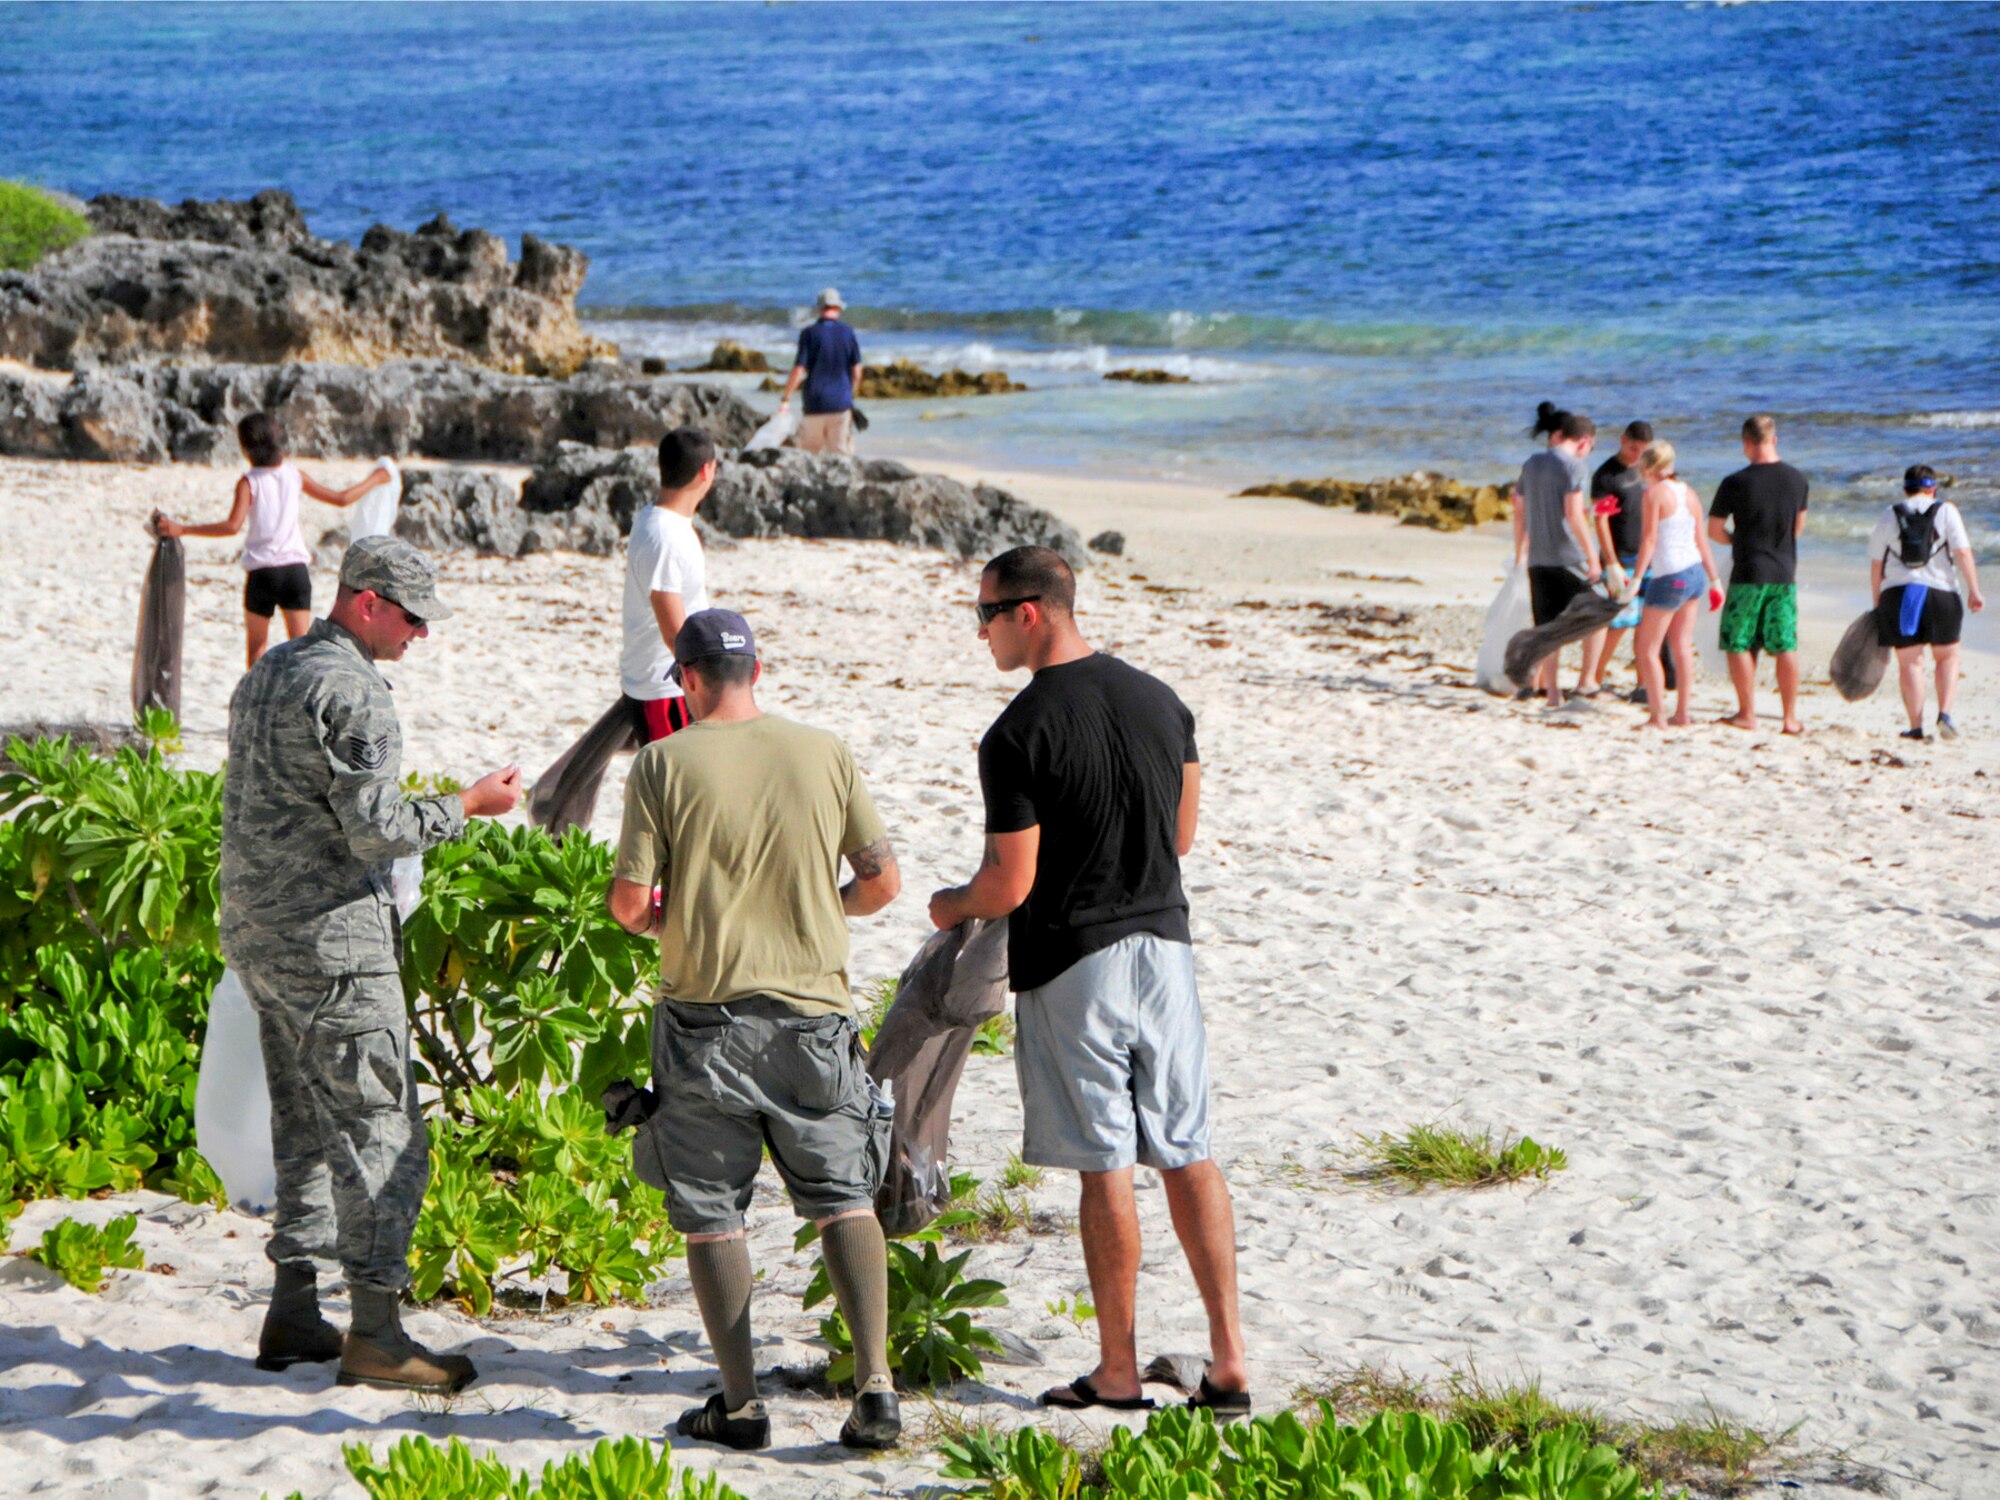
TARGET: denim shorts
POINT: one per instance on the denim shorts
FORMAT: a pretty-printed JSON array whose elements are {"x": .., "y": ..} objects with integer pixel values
[
  {"x": 1676, "y": 589},
  {"x": 1113, "y": 1061}
]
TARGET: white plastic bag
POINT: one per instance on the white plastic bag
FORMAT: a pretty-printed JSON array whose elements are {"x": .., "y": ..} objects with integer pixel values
[
  {"x": 1508, "y": 614},
  {"x": 232, "y": 1095},
  {"x": 232, "y": 1101},
  {"x": 374, "y": 514},
  {"x": 774, "y": 433}
]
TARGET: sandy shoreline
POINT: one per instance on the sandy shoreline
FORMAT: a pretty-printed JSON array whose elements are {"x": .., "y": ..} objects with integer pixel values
[{"x": 1746, "y": 984}]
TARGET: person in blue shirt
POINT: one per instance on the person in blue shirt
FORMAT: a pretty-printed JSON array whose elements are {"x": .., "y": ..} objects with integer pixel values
[{"x": 829, "y": 366}]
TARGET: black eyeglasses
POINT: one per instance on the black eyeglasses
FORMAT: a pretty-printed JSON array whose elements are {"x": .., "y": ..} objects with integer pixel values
[{"x": 988, "y": 613}]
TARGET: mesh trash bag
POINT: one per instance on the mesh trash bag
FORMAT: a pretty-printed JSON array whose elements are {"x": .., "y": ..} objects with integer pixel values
[
  {"x": 1506, "y": 617},
  {"x": 1860, "y": 660},
  {"x": 1586, "y": 614},
  {"x": 156, "y": 662},
  {"x": 957, "y": 981},
  {"x": 565, "y": 795}
]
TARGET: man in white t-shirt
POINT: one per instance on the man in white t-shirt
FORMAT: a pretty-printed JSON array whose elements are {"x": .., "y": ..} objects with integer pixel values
[
  {"x": 1910, "y": 576},
  {"x": 666, "y": 580}
]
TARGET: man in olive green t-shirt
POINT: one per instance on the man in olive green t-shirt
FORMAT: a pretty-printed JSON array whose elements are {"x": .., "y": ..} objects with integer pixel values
[{"x": 740, "y": 821}]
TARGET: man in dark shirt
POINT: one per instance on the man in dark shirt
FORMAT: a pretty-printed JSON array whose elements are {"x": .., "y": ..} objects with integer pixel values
[
  {"x": 1767, "y": 503},
  {"x": 829, "y": 366},
  {"x": 1092, "y": 784},
  {"x": 1615, "y": 493}
]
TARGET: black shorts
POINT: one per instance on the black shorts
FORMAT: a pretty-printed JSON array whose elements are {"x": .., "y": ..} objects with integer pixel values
[
  {"x": 1940, "y": 623},
  {"x": 289, "y": 586},
  {"x": 1550, "y": 590}
]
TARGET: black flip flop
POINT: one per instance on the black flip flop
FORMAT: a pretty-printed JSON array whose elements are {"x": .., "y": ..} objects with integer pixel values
[
  {"x": 1222, "y": 1403},
  {"x": 1080, "y": 1393}
]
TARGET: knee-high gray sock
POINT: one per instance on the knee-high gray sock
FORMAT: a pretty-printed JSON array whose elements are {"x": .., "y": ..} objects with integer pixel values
[
  {"x": 857, "y": 1263},
  {"x": 720, "y": 1271}
]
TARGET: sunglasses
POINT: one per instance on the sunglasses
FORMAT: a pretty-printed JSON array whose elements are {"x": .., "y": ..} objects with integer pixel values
[
  {"x": 415, "y": 622},
  {"x": 988, "y": 613}
]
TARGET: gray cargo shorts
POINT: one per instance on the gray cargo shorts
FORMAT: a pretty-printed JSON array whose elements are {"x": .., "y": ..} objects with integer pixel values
[
  {"x": 1113, "y": 1061},
  {"x": 733, "y": 1079}
]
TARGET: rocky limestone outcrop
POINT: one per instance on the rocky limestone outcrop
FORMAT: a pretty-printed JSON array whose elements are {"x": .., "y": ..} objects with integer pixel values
[
  {"x": 188, "y": 413},
  {"x": 1148, "y": 377},
  {"x": 1419, "y": 499},
  {"x": 901, "y": 380},
  {"x": 730, "y": 357},
  {"x": 248, "y": 281},
  {"x": 583, "y": 500}
]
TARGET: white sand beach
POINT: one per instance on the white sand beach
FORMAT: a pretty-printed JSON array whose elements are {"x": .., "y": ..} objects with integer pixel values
[{"x": 1748, "y": 984}]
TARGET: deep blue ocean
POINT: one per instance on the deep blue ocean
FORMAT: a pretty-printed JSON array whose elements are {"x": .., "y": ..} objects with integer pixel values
[{"x": 1377, "y": 235}]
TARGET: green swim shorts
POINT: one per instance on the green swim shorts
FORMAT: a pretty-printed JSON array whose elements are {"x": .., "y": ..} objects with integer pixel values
[{"x": 1760, "y": 617}]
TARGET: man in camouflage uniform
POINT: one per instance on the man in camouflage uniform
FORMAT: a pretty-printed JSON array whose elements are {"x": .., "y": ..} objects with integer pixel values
[{"x": 312, "y": 816}]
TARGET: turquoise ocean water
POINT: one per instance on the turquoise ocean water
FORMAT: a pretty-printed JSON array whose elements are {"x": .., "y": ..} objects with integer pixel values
[{"x": 1375, "y": 235}]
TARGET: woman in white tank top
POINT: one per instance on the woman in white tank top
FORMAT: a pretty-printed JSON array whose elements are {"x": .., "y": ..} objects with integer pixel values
[
  {"x": 1678, "y": 566},
  {"x": 277, "y": 566}
]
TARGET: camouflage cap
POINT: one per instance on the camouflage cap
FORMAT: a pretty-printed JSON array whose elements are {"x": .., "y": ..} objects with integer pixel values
[{"x": 398, "y": 572}]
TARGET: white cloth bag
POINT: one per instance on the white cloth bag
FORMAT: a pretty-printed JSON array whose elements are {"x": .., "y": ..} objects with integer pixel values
[
  {"x": 374, "y": 514},
  {"x": 1506, "y": 616},
  {"x": 232, "y": 1095},
  {"x": 774, "y": 433}
]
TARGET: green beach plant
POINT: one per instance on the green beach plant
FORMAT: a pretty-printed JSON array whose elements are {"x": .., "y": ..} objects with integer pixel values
[
  {"x": 933, "y": 1339},
  {"x": 626, "y": 1468},
  {"x": 81, "y": 1253},
  {"x": 1181, "y": 1454},
  {"x": 34, "y": 224},
  {"x": 1439, "y": 1154}
]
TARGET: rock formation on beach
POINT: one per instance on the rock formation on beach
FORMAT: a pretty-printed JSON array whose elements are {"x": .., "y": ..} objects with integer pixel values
[
  {"x": 1419, "y": 499},
  {"x": 901, "y": 380},
  {"x": 188, "y": 413},
  {"x": 730, "y": 357},
  {"x": 1148, "y": 377},
  {"x": 247, "y": 281},
  {"x": 583, "y": 499}
]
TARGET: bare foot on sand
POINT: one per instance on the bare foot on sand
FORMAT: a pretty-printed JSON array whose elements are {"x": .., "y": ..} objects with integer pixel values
[
  {"x": 1651, "y": 724},
  {"x": 1737, "y": 721},
  {"x": 1682, "y": 721},
  {"x": 1793, "y": 726}
]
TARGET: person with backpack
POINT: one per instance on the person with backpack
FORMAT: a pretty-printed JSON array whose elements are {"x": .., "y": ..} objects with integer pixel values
[{"x": 1916, "y": 546}]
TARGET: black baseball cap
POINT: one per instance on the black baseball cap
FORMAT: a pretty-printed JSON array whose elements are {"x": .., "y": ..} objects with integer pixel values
[{"x": 712, "y": 632}]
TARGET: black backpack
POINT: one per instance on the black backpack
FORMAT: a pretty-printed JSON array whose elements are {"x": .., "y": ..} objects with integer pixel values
[{"x": 1916, "y": 535}]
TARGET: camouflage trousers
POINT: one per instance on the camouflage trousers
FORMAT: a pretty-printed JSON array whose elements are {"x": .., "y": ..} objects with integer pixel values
[{"x": 347, "y": 1136}]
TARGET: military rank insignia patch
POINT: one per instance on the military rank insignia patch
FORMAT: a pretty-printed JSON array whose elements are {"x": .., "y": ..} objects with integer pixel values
[{"x": 366, "y": 754}]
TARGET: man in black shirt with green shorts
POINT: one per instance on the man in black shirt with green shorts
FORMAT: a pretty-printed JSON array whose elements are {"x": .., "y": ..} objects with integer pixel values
[
  {"x": 1092, "y": 784},
  {"x": 1767, "y": 504}
]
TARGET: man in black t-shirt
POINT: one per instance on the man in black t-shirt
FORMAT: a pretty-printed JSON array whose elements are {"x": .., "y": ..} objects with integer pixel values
[
  {"x": 1616, "y": 491},
  {"x": 1092, "y": 782},
  {"x": 1767, "y": 503}
]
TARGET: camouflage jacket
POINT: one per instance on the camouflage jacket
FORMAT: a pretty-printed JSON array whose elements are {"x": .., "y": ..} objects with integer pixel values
[{"x": 312, "y": 812}]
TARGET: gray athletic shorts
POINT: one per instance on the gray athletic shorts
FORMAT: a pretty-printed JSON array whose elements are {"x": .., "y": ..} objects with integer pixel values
[
  {"x": 1113, "y": 1061},
  {"x": 732, "y": 1079}
]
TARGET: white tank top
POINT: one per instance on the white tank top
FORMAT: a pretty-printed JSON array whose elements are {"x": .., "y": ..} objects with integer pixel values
[
  {"x": 271, "y": 539},
  {"x": 1674, "y": 548}
]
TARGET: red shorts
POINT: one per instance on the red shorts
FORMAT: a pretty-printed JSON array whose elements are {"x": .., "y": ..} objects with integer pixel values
[{"x": 656, "y": 718}]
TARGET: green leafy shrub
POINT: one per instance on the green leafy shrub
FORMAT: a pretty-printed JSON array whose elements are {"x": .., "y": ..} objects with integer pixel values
[
  {"x": 1450, "y": 1156},
  {"x": 627, "y": 1468},
  {"x": 1182, "y": 1454},
  {"x": 34, "y": 224},
  {"x": 933, "y": 1340},
  {"x": 519, "y": 984},
  {"x": 81, "y": 1253}
]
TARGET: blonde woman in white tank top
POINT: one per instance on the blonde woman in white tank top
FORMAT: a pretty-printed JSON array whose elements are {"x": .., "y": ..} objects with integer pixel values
[
  {"x": 1674, "y": 548},
  {"x": 277, "y": 566}
]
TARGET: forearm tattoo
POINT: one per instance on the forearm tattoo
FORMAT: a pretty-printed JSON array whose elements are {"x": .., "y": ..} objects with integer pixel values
[{"x": 871, "y": 862}]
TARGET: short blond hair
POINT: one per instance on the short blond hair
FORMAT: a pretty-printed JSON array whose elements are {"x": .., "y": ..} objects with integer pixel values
[{"x": 1658, "y": 459}]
